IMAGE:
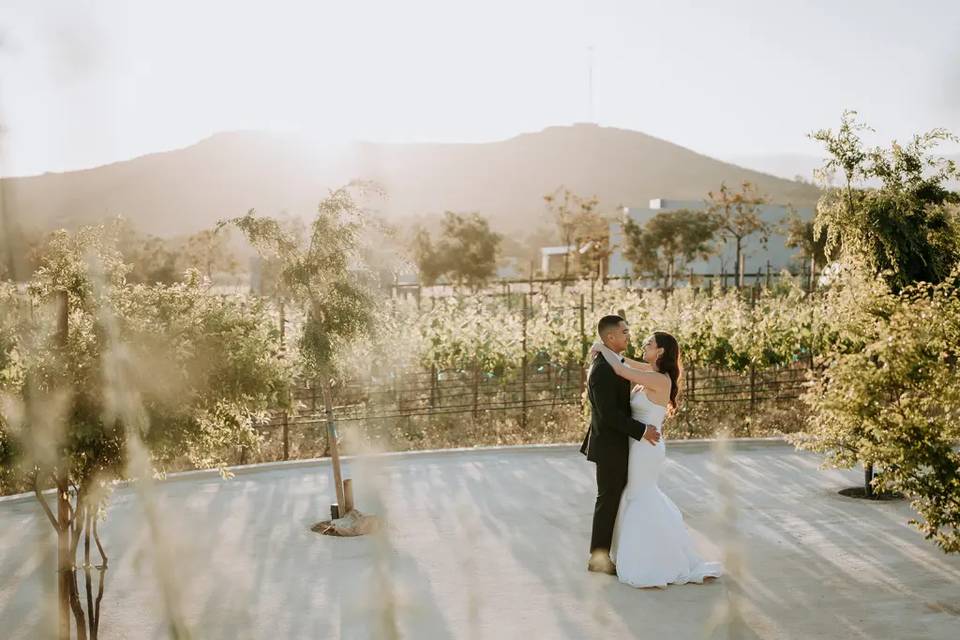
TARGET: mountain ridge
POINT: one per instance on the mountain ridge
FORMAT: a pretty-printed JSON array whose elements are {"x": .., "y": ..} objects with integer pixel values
[{"x": 225, "y": 174}]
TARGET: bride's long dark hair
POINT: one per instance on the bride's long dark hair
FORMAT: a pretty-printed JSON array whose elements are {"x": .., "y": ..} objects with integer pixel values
[{"x": 669, "y": 363}]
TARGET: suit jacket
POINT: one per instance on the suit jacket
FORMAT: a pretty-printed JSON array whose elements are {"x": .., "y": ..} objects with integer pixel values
[{"x": 610, "y": 422}]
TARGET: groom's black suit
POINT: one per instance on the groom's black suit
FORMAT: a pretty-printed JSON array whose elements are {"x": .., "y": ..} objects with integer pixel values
[{"x": 606, "y": 444}]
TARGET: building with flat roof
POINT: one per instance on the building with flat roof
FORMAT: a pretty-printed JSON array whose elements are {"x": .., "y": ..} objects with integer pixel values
[
  {"x": 756, "y": 253},
  {"x": 551, "y": 259}
]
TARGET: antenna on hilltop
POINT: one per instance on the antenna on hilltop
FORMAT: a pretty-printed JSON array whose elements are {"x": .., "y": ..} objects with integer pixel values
[{"x": 590, "y": 117}]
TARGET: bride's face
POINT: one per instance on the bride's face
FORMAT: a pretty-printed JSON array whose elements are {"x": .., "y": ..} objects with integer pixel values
[{"x": 650, "y": 351}]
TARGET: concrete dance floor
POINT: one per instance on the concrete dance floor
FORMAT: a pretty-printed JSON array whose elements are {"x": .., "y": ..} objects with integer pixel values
[{"x": 492, "y": 544}]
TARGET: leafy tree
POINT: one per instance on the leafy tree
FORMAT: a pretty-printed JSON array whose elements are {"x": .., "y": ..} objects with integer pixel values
[
  {"x": 802, "y": 234},
  {"x": 322, "y": 273},
  {"x": 209, "y": 251},
  {"x": 431, "y": 263},
  {"x": 471, "y": 248},
  {"x": 895, "y": 400},
  {"x": 855, "y": 306},
  {"x": 151, "y": 259},
  {"x": 466, "y": 251},
  {"x": 385, "y": 253},
  {"x": 908, "y": 228},
  {"x": 737, "y": 215},
  {"x": 669, "y": 241},
  {"x": 641, "y": 249},
  {"x": 580, "y": 226},
  {"x": 891, "y": 239},
  {"x": 106, "y": 380},
  {"x": 18, "y": 247},
  {"x": 526, "y": 248}
]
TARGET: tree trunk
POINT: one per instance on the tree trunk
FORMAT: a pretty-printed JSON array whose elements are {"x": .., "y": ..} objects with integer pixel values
[
  {"x": 334, "y": 447},
  {"x": 78, "y": 520},
  {"x": 64, "y": 565},
  {"x": 868, "y": 479},
  {"x": 101, "y": 571},
  {"x": 88, "y": 578}
]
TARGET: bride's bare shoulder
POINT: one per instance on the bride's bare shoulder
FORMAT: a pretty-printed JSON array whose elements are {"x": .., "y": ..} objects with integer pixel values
[{"x": 663, "y": 379}]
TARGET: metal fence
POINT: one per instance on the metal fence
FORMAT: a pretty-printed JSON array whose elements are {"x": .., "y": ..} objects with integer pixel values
[
  {"x": 512, "y": 287},
  {"x": 517, "y": 393}
]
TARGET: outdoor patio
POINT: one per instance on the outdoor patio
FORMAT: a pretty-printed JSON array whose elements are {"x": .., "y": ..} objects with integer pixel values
[{"x": 492, "y": 544}]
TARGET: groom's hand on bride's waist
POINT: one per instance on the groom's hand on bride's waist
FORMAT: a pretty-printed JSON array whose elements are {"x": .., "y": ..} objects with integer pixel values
[{"x": 651, "y": 435}]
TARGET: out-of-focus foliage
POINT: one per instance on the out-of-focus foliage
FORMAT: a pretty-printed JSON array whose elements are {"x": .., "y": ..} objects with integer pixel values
[{"x": 186, "y": 372}]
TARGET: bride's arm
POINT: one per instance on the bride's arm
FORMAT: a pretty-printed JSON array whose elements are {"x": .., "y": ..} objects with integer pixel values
[
  {"x": 630, "y": 362},
  {"x": 637, "y": 364},
  {"x": 651, "y": 379}
]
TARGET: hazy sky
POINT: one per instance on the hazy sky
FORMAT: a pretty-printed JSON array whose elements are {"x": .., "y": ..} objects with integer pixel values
[{"x": 85, "y": 83}]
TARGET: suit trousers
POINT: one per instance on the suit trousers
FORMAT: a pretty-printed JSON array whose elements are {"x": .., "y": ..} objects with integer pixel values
[{"x": 611, "y": 481}]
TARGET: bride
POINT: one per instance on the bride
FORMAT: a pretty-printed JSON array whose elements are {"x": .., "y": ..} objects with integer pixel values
[{"x": 651, "y": 545}]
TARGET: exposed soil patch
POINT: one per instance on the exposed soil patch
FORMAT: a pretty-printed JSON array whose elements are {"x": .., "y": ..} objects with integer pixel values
[{"x": 859, "y": 492}]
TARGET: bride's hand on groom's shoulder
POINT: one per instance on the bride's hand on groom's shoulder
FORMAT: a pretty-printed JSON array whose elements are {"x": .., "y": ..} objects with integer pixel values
[{"x": 595, "y": 348}]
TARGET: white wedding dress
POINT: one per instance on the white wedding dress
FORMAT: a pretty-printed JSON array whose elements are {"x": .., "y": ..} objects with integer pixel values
[{"x": 651, "y": 545}]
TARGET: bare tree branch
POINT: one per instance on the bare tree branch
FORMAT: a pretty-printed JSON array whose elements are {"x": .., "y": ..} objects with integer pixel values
[{"x": 43, "y": 503}]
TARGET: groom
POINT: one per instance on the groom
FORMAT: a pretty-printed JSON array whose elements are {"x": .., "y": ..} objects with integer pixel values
[{"x": 606, "y": 442}]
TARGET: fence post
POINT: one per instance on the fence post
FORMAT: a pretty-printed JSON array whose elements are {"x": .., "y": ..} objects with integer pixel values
[
  {"x": 692, "y": 382},
  {"x": 285, "y": 417},
  {"x": 530, "y": 285},
  {"x": 348, "y": 495},
  {"x": 476, "y": 388},
  {"x": 813, "y": 271},
  {"x": 753, "y": 371},
  {"x": 583, "y": 353},
  {"x": 523, "y": 367}
]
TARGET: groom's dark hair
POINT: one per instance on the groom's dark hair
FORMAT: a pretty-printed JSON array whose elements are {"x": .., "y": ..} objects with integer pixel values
[{"x": 608, "y": 322}]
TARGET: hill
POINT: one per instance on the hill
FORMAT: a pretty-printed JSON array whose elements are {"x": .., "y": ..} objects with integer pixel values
[{"x": 184, "y": 190}]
